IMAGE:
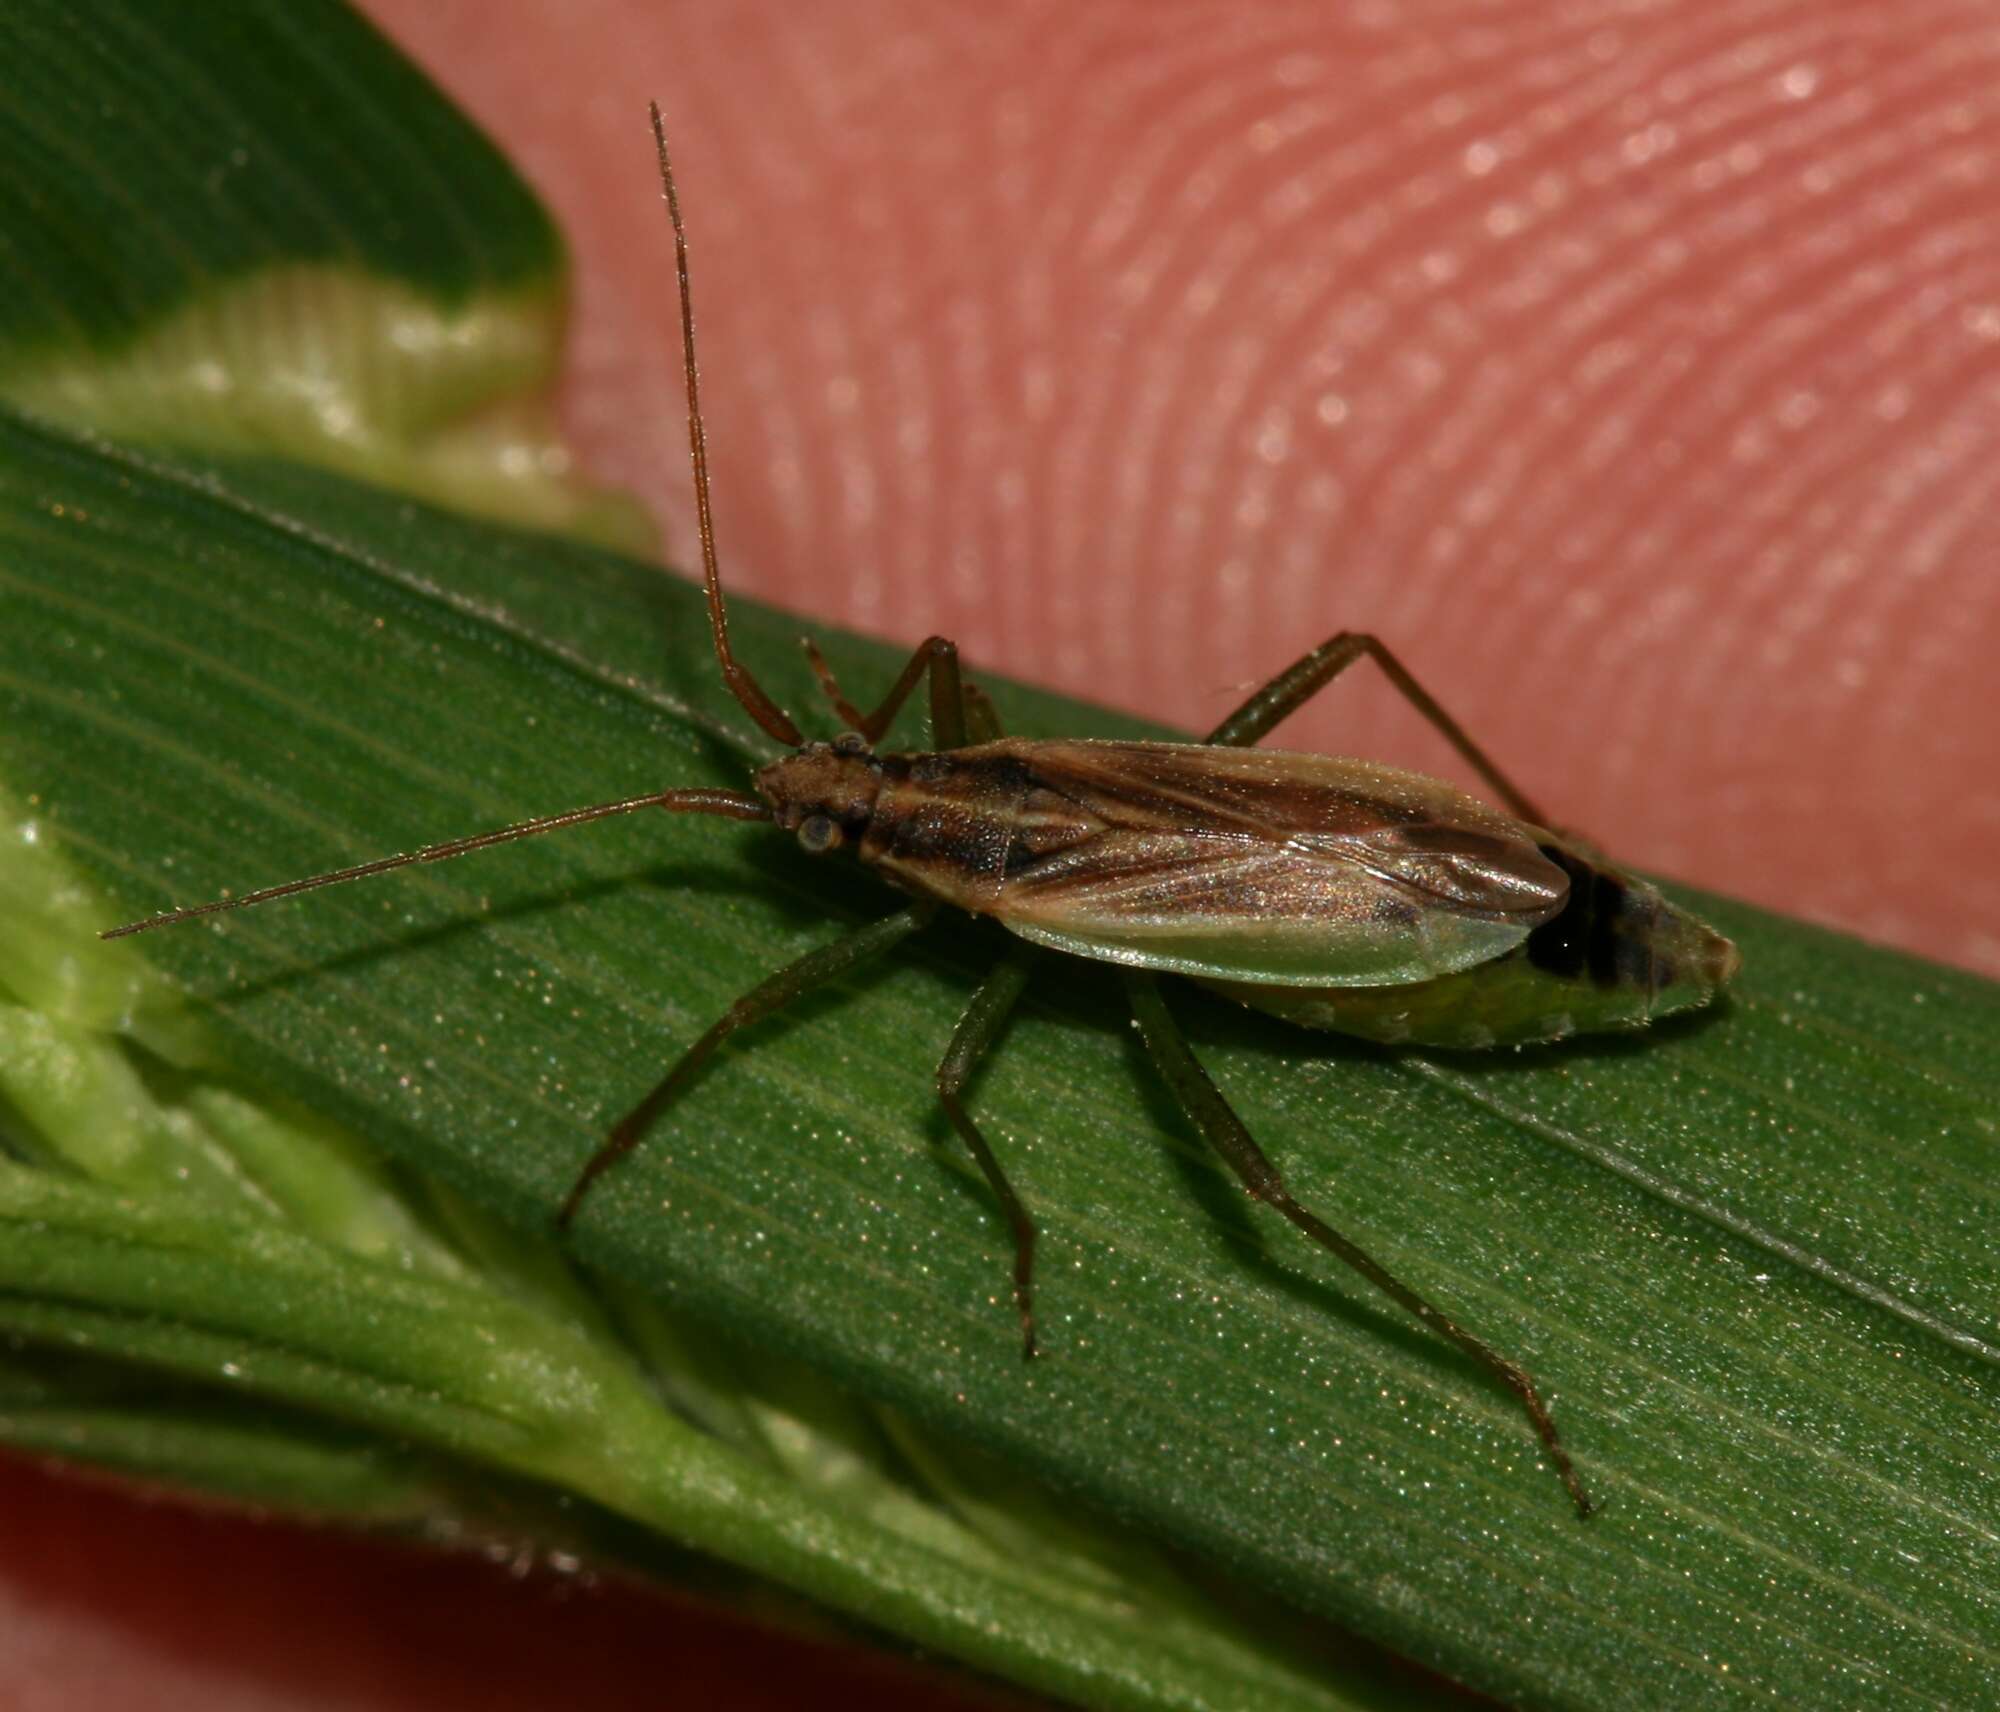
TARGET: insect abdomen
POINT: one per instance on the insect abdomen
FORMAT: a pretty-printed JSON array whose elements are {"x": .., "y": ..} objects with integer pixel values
[{"x": 1616, "y": 956}]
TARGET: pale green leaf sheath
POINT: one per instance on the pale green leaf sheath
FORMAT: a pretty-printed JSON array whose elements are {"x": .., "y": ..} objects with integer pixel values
[{"x": 276, "y": 1211}]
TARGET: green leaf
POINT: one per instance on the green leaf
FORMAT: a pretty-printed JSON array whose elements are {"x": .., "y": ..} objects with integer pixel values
[
  {"x": 263, "y": 231},
  {"x": 1748, "y": 1255}
]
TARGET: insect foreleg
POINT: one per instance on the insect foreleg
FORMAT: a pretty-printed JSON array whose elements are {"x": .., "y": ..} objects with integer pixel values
[
  {"x": 983, "y": 1020},
  {"x": 1210, "y": 1113},
  {"x": 774, "y": 992},
  {"x": 1299, "y": 682},
  {"x": 937, "y": 655}
]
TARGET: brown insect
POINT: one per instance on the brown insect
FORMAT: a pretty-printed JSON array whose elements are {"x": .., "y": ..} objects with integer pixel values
[{"x": 1334, "y": 893}]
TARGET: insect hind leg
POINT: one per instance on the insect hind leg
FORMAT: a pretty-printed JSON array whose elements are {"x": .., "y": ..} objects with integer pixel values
[
  {"x": 1299, "y": 682},
  {"x": 815, "y": 969},
  {"x": 936, "y": 655},
  {"x": 976, "y": 1030},
  {"x": 1210, "y": 1113}
]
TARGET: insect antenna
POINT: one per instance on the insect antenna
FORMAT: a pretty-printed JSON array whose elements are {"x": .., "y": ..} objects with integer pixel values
[
  {"x": 734, "y": 804},
  {"x": 756, "y": 702}
]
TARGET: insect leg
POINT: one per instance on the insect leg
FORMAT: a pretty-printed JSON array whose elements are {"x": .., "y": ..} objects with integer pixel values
[
  {"x": 983, "y": 1019},
  {"x": 1299, "y": 682},
  {"x": 1210, "y": 1113},
  {"x": 936, "y": 654},
  {"x": 774, "y": 992}
]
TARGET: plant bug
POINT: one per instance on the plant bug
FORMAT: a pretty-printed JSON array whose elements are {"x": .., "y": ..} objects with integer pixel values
[{"x": 1333, "y": 893}]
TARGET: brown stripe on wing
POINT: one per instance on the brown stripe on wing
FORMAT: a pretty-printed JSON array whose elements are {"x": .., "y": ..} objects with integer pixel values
[{"x": 1308, "y": 834}]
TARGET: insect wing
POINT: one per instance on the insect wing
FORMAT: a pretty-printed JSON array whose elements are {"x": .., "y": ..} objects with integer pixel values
[{"x": 1265, "y": 866}]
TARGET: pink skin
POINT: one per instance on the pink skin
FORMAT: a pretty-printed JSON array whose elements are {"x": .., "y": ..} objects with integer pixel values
[{"x": 1635, "y": 374}]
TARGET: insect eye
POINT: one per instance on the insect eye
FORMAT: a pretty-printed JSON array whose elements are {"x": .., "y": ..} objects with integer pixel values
[
  {"x": 819, "y": 833},
  {"x": 850, "y": 743}
]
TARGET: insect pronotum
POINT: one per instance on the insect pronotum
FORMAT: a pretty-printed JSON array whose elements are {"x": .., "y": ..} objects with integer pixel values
[{"x": 1333, "y": 893}]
